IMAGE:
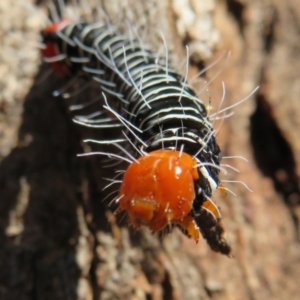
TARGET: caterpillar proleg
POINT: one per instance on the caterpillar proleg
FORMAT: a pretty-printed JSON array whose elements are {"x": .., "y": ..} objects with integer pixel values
[{"x": 171, "y": 150}]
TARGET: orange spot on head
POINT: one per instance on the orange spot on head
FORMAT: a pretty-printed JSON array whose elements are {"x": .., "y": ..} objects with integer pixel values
[{"x": 158, "y": 189}]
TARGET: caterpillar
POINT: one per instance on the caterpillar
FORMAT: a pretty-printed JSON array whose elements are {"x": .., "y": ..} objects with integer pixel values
[{"x": 174, "y": 160}]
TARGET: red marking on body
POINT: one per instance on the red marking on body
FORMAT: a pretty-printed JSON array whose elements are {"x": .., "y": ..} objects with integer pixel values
[
  {"x": 51, "y": 49},
  {"x": 57, "y": 26},
  {"x": 158, "y": 190}
]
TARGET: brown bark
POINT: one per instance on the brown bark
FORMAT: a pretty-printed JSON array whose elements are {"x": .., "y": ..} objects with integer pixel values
[{"x": 59, "y": 240}]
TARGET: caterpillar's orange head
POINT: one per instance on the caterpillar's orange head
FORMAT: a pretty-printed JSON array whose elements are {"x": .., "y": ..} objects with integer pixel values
[{"x": 158, "y": 189}]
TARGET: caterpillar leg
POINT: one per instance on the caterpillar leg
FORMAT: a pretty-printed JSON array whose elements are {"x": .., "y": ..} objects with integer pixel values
[
  {"x": 189, "y": 225},
  {"x": 212, "y": 208}
]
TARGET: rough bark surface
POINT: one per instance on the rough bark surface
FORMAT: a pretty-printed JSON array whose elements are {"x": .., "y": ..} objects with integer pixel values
[{"x": 59, "y": 240}]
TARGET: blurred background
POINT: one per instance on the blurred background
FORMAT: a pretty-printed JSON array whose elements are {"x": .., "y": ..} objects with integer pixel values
[{"x": 58, "y": 238}]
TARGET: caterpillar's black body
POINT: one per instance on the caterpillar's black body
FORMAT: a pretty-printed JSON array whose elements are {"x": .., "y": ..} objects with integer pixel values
[{"x": 160, "y": 109}]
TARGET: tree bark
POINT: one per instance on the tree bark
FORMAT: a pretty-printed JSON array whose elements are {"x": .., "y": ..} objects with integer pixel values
[{"x": 59, "y": 240}]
